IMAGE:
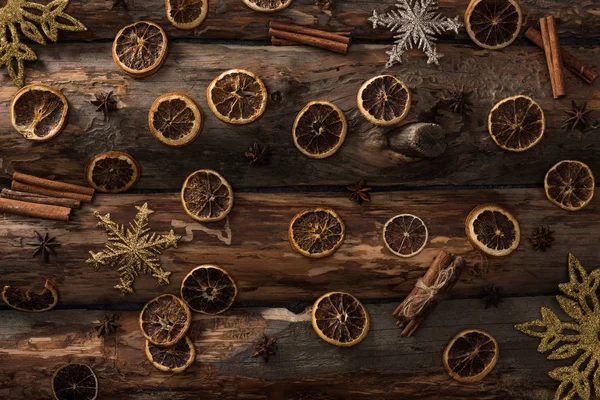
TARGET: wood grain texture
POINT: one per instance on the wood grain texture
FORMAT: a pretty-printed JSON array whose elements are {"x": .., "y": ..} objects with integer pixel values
[
  {"x": 231, "y": 19},
  {"x": 293, "y": 79},
  {"x": 383, "y": 366},
  {"x": 252, "y": 245}
]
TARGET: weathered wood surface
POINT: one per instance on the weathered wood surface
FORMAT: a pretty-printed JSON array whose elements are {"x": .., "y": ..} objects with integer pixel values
[
  {"x": 231, "y": 19},
  {"x": 383, "y": 366},
  {"x": 293, "y": 79},
  {"x": 252, "y": 245}
]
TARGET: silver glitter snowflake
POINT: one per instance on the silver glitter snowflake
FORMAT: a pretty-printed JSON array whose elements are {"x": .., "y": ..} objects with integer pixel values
[{"x": 417, "y": 24}]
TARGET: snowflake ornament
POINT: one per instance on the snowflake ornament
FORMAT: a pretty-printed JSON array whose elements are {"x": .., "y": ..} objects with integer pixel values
[
  {"x": 133, "y": 251},
  {"x": 416, "y": 24},
  {"x": 577, "y": 338}
]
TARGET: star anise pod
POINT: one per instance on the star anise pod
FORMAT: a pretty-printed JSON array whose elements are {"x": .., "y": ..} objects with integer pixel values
[
  {"x": 457, "y": 101},
  {"x": 45, "y": 246},
  {"x": 265, "y": 347},
  {"x": 541, "y": 238},
  {"x": 360, "y": 192},
  {"x": 324, "y": 4},
  {"x": 492, "y": 296},
  {"x": 108, "y": 326},
  {"x": 104, "y": 102},
  {"x": 117, "y": 3},
  {"x": 257, "y": 155},
  {"x": 578, "y": 117}
]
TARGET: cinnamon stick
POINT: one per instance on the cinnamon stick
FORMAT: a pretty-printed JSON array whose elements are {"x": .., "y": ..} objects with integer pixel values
[
  {"x": 50, "y": 184},
  {"x": 37, "y": 198},
  {"x": 331, "y": 45},
  {"x": 557, "y": 63},
  {"x": 582, "y": 71},
  {"x": 23, "y": 187},
  {"x": 282, "y": 42},
  {"x": 342, "y": 37},
  {"x": 34, "y": 210},
  {"x": 548, "y": 53}
]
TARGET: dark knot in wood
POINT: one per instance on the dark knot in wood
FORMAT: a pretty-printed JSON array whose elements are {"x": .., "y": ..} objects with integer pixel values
[{"x": 418, "y": 140}]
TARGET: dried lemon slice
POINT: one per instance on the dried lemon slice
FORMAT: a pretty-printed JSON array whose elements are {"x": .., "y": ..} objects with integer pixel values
[
  {"x": 493, "y": 230},
  {"x": 175, "y": 119},
  {"x": 319, "y": 129},
  {"x": 570, "y": 185},
  {"x": 471, "y": 355},
  {"x": 165, "y": 319},
  {"x": 112, "y": 172},
  {"x": 493, "y": 24},
  {"x": 316, "y": 232},
  {"x": 140, "y": 49},
  {"x": 206, "y": 196},
  {"x": 267, "y": 5},
  {"x": 38, "y": 112},
  {"x": 237, "y": 96},
  {"x": 384, "y": 100},
  {"x": 186, "y": 14},
  {"x": 175, "y": 359},
  {"x": 340, "y": 319},
  {"x": 405, "y": 235},
  {"x": 208, "y": 289},
  {"x": 74, "y": 382},
  {"x": 26, "y": 300},
  {"x": 516, "y": 123}
]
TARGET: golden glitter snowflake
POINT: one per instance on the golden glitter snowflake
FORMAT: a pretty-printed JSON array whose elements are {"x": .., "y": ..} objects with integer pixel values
[
  {"x": 134, "y": 250},
  {"x": 20, "y": 17},
  {"x": 570, "y": 339}
]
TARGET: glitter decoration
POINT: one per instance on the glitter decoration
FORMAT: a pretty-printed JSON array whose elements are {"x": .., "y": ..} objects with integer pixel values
[
  {"x": 21, "y": 17},
  {"x": 416, "y": 24},
  {"x": 578, "y": 338},
  {"x": 134, "y": 250}
]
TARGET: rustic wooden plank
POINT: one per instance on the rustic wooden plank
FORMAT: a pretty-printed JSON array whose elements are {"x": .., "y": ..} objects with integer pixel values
[
  {"x": 252, "y": 244},
  {"x": 293, "y": 79},
  {"x": 231, "y": 19},
  {"x": 383, "y": 366}
]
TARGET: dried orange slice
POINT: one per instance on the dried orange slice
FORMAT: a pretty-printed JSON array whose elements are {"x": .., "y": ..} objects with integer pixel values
[
  {"x": 340, "y": 319},
  {"x": 319, "y": 129},
  {"x": 165, "y": 319},
  {"x": 26, "y": 300},
  {"x": 493, "y": 230},
  {"x": 516, "y": 123},
  {"x": 112, "y": 172},
  {"x": 74, "y": 382},
  {"x": 175, "y": 359},
  {"x": 175, "y": 119},
  {"x": 237, "y": 96},
  {"x": 493, "y": 24},
  {"x": 405, "y": 235},
  {"x": 186, "y": 14},
  {"x": 384, "y": 100},
  {"x": 267, "y": 5},
  {"x": 140, "y": 49},
  {"x": 471, "y": 355},
  {"x": 206, "y": 196},
  {"x": 570, "y": 185},
  {"x": 316, "y": 232},
  {"x": 208, "y": 289},
  {"x": 39, "y": 112}
]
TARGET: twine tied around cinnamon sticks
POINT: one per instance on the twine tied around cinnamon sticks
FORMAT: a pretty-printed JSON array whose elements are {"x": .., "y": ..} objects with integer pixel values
[{"x": 441, "y": 276}]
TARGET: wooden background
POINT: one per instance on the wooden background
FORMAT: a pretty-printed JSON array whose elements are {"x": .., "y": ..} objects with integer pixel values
[{"x": 277, "y": 286}]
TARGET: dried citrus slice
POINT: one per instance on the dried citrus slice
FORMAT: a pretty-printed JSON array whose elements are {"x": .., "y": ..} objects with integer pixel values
[
  {"x": 237, "y": 96},
  {"x": 267, "y": 5},
  {"x": 112, "y": 172},
  {"x": 493, "y": 230},
  {"x": 384, "y": 100},
  {"x": 340, "y": 319},
  {"x": 516, "y": 123},
  {"x": 186, "y": 14},
  {"x": 175, "y": 119},
  {"x": 38, "y": 112},
  {"x": 175, "y": 359},
  {"x": 165, "y": 319},
  {"x": 471, "y": 355},
  {"x": 139, "y": 49},
  {"x": 25, "y": 300},
  {"x": 208, "y": 289},
  {"x": 493, "y": 24},
  {"x": 570, "y": 185},
  {"x": 74, "y": 382},
  {"x": 405, "y": 235},
  {"x": 206, "y": 196},
  {"x": 320, "y": 129},
  {"x": 316, "y": 232}
]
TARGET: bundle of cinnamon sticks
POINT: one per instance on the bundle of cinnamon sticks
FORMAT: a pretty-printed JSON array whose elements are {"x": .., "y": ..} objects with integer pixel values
[
  {"x": 42, "y": 198},
  {"x": 548, "y": 40},
  {"x": 284, "y": 34},
  {"x": 441, "y": 276}
]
